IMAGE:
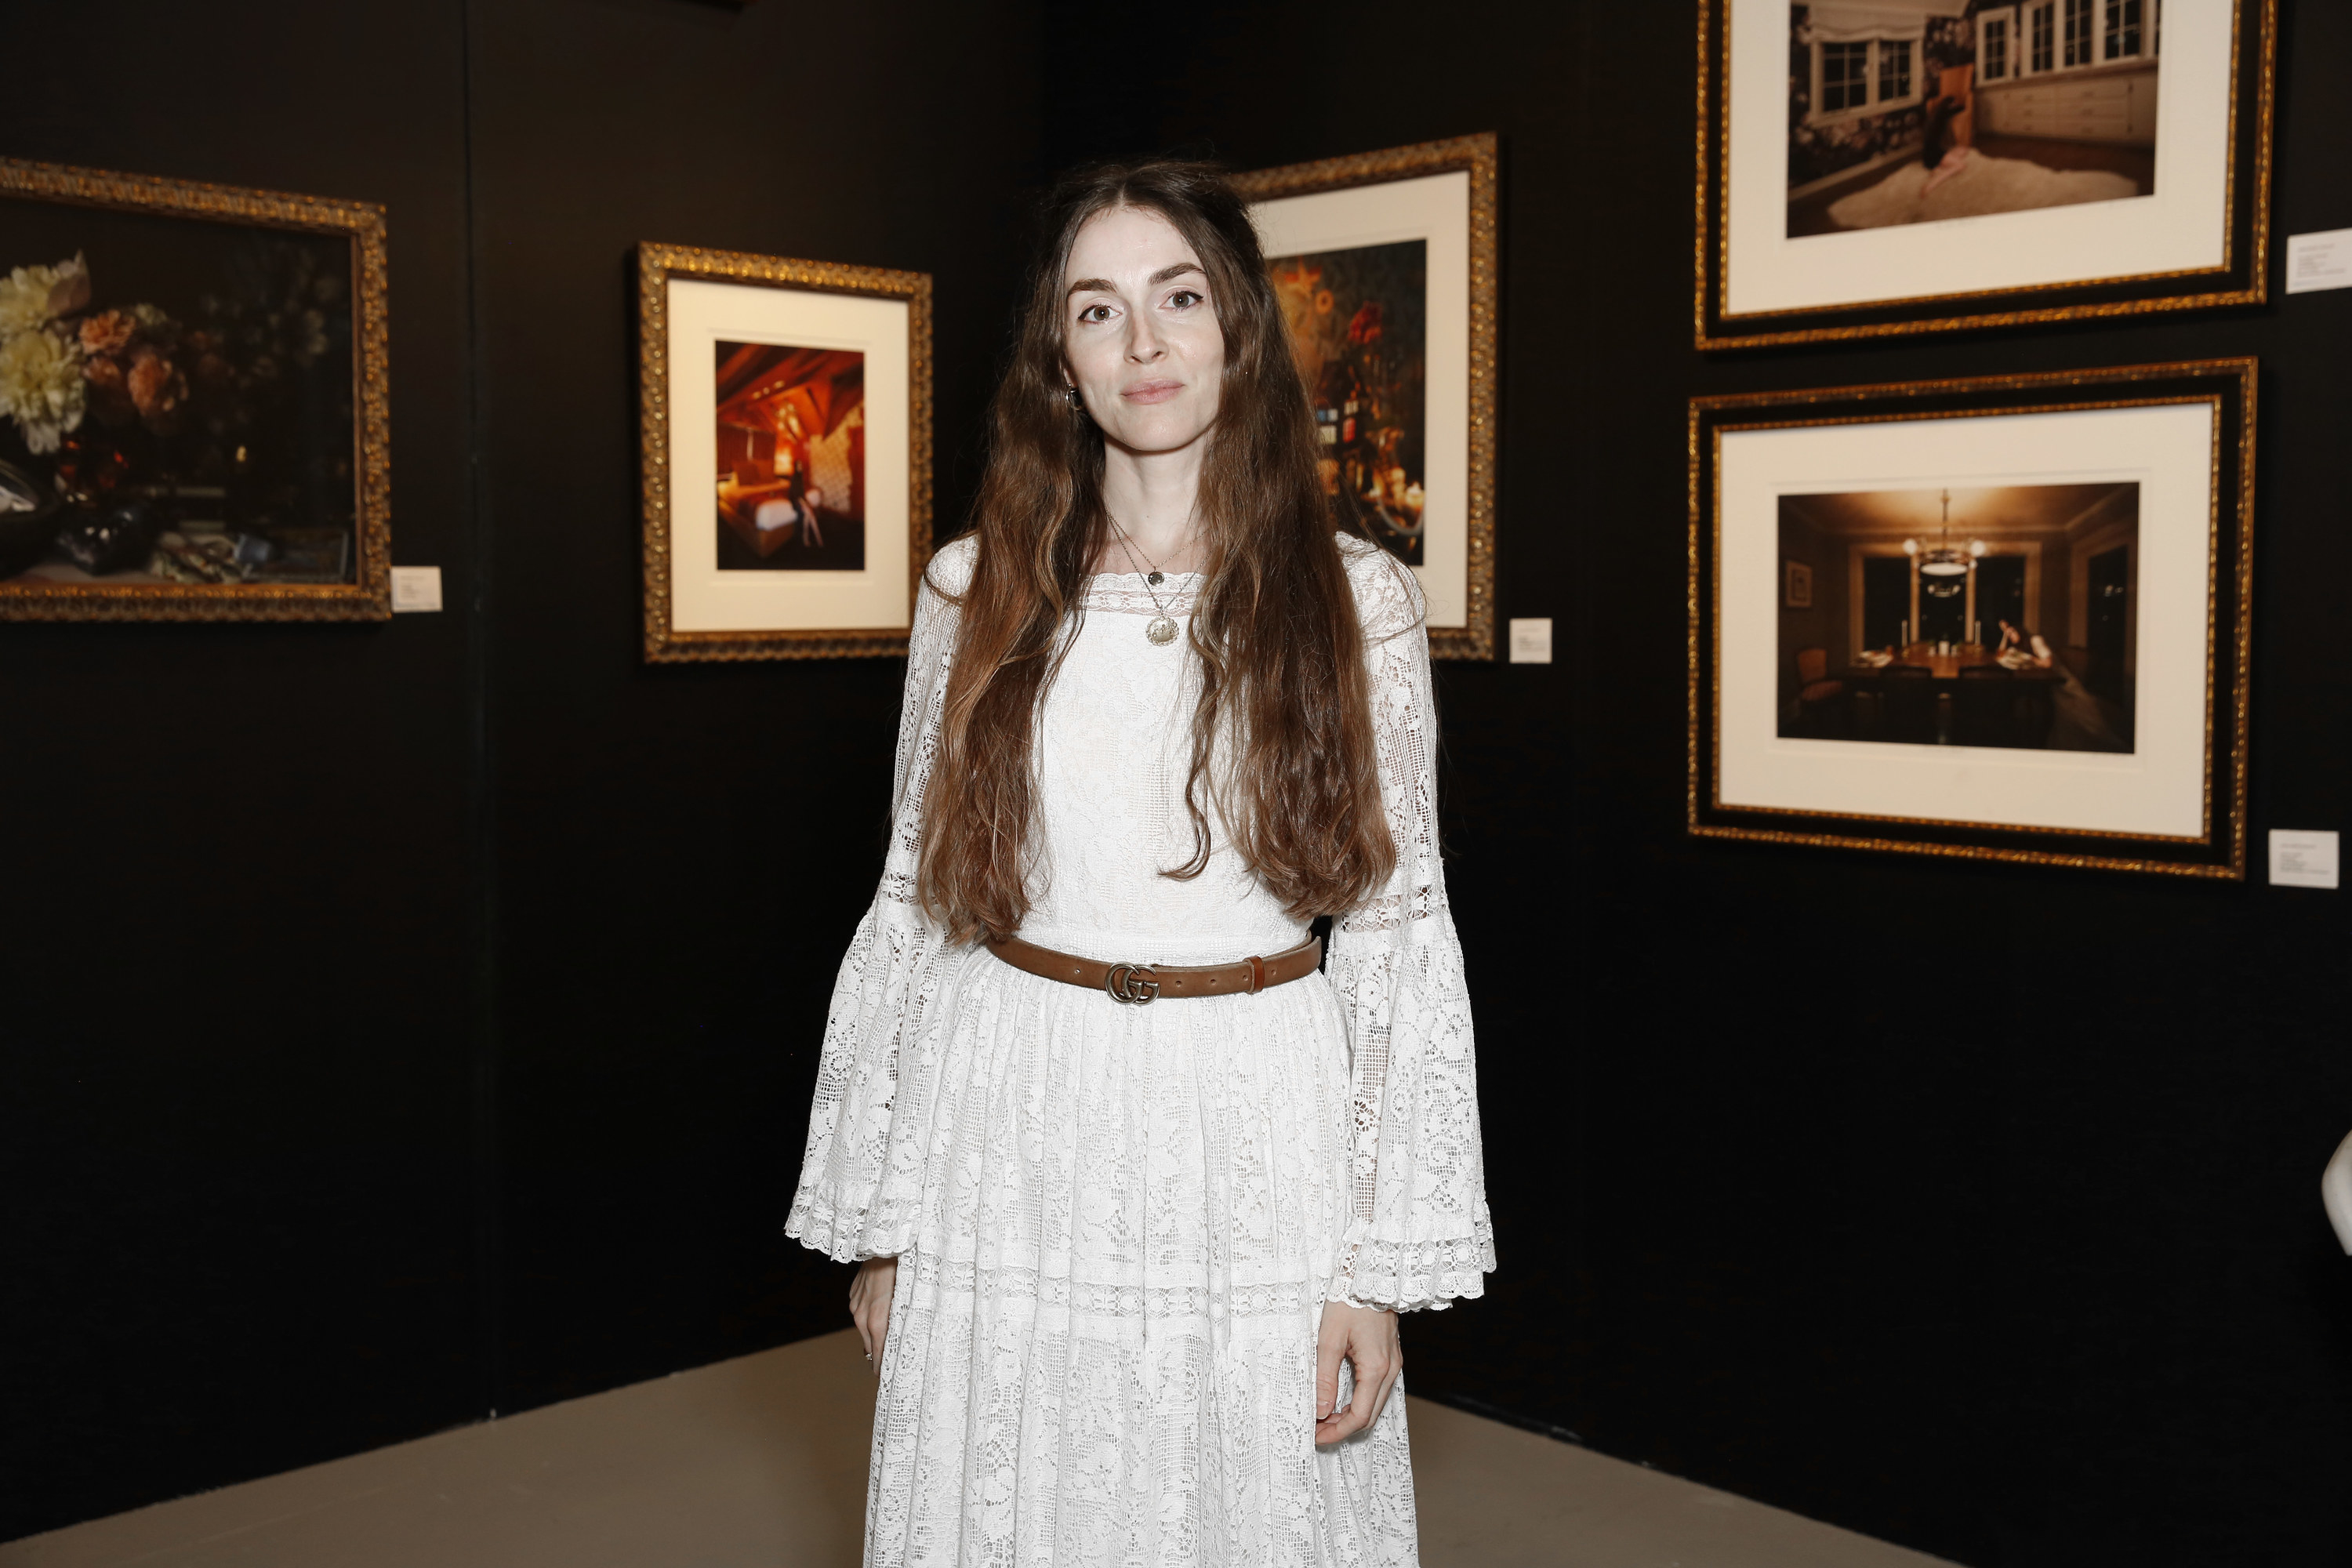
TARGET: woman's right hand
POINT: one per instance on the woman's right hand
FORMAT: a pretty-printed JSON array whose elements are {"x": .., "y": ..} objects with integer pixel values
[{"x": 869, "y": 1305}]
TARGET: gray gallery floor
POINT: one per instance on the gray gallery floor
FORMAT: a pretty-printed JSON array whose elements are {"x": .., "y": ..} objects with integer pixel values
[{"x": 761, "y": 1462}]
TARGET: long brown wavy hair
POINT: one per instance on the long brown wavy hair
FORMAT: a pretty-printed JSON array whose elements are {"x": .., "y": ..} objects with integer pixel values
[{"x": 1283, "y": 689}]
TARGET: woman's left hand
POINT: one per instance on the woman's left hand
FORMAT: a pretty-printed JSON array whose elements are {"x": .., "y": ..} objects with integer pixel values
[{"x": 1365, "y": 1338}]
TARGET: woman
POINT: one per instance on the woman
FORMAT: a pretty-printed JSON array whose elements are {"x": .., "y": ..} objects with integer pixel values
[
  {"x": 2075, "y": 719},
  {"x": 1941, "y": 151},
  {"x": 1932, "y": 189},
  {"x": 2018, "y": 644},
  {"x": 1134, "y": 1232}
]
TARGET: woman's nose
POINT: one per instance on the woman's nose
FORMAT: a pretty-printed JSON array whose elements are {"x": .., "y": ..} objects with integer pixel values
[{"x": 1143, "y": 344}]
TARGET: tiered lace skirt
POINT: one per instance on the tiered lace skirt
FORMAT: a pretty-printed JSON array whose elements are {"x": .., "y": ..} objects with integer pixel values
[{"x": 1102, "y": 1347}]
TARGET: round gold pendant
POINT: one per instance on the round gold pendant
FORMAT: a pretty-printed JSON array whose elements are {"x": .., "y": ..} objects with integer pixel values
[{"x": 1161, "y": 631}]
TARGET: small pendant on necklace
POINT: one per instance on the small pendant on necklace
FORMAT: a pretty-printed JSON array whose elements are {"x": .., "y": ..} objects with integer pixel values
[
  {"x": 1155, "y": 578},
  {"x": 1161, "y": 631}
]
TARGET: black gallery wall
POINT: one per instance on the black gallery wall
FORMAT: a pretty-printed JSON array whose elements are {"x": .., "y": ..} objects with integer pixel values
[{"x": 414, "y": 1021}]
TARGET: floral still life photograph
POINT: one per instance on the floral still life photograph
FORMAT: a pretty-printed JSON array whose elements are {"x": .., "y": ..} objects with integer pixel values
[
  {"x": 1357, "y": 320},
  {"x": 177, "y": 404}
]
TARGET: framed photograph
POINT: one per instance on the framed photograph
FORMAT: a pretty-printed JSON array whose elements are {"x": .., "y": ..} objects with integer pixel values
[
  {"x": 1869, "y": 167},
  {"x": 193, "y": 404},
  {"x": 785, "y": 416},
  {"x": 2027, "y": 633},
  {"x": 1385, "y": 266},
  {"x": 1797, "y": 586}
]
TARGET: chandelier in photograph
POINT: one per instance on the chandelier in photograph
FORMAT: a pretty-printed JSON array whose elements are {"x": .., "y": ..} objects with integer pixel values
[{"x": 1943, "y": 565}]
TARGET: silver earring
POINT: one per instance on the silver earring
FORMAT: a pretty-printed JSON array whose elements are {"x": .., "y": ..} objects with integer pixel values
[{"x": 1071, "y": 391}]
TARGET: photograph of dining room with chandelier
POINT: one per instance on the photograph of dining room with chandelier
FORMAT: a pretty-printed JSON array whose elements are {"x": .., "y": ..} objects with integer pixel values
[
  {"x": 2001, "y": 616},
  {"x": 792, "y": 458}
]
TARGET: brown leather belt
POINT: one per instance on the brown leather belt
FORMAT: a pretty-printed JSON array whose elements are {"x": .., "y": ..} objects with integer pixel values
[{"x": 1142, "y": 983}]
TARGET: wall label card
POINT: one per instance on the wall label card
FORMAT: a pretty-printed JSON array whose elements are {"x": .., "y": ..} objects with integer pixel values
[
  {"x": 415, "y": 588},
  {"x": 2302, "y": 858},
  {"x": 2317, "y": 262}
]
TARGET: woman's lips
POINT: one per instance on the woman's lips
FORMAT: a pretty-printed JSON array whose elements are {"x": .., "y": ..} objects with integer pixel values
[{"x": 1152, "y": 391}]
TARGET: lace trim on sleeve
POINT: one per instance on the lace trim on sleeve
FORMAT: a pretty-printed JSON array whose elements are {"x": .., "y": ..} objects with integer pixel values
[
  {"x": 1420, "y": 1234},
  {"x": 1425, "y": 1275},
  {"x": 840, "y": 1206}
]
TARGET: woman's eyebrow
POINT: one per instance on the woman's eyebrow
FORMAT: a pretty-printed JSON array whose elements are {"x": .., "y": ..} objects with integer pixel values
[{"x": 1105, "y": 286}]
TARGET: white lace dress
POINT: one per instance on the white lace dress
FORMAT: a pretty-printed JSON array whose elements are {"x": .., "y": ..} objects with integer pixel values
[{"x": 1116, "y": 1225}]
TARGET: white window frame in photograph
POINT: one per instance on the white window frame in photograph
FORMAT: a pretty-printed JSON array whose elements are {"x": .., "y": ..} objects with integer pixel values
[
  {"x": 2111, "y": 26},
  {"x": 1871, "y": 65},
  {"x": 1880, "y": 60},
  {"x": 2005, "y": 20},
  {"x": 2090, "y": 15},
  {"x": 2101, "y": 17},
  {"x": 1861, "y": 79},
  {"x": 2027, "y": 15}
]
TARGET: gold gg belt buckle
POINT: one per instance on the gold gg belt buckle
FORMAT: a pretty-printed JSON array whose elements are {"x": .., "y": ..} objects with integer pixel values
[{"x": 1133, "y": 983}]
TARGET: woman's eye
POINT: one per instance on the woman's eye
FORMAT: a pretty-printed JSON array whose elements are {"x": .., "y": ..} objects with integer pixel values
[
  {"x": 1095, "y": 313},
  {"x": 1184, "y": 298}
]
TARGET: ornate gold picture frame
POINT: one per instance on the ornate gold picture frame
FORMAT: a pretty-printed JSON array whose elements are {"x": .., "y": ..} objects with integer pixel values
[
  {"x": 785, "y": 423},
  {"x": 194, "y": 401},
  {"x": 1386, "y": 266},
  {"x": 2027, "y": 637},
  {"x": 1880, "y": 167}
]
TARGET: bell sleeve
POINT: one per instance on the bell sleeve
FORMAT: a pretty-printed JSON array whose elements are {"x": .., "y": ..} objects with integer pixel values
[
  {"x": 844, "y": 1205},
  {"x": 1419, "y": 1232}
]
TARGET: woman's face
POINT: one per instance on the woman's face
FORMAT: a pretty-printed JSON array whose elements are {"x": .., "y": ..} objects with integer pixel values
[{"x": 1139, "y": 332}]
